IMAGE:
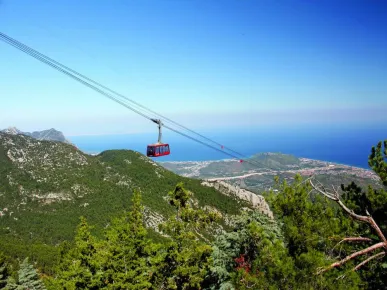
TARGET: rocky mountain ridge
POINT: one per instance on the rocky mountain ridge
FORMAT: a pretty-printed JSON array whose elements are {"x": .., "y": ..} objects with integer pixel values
[
  {"x": 257, "y": 201},
  {"x": 49, "y": 134}
]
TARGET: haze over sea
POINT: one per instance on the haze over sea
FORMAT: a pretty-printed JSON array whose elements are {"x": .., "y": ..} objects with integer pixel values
[{"x": 345, "y": 144}]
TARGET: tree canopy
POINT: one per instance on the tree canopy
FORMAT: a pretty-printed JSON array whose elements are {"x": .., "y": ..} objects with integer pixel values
[{"x": 318, "y": 239}]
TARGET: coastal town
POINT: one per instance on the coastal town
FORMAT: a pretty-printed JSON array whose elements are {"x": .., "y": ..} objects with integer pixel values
[{"x": 261, "y": 176}]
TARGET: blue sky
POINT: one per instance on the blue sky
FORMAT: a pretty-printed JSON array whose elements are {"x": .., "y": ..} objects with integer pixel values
[{"x": 207, "y": 64}]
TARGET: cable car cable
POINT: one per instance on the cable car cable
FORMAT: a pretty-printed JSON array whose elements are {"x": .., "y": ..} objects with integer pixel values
[
  {"x": 76, "y": 78},
  {"x": 44, "y": 60},
  {"x": 57, "y": 65},
  {"x": 101, "y": 92},
  {"x": 116, "y": 93},
  {"x": 67, "y": 68},
  {"x": 37, "y": 56},
  {"x": 205, "y": 144}
]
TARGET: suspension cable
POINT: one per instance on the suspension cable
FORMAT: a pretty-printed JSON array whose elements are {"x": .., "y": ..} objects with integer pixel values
[
  {"x": 58, "y": 66},
  {"x": 61, "y": 69},
  {"x": 78, "y": 79},
  {"x": 114, "y": 92}
]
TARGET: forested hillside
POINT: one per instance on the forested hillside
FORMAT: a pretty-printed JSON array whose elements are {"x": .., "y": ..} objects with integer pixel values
[
  {"x": 319, "y": 237},
  {"x": 46, "y": 186}
]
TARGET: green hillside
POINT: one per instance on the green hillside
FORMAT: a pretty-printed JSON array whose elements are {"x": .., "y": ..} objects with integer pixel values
[{"x": 46, "y": 186}]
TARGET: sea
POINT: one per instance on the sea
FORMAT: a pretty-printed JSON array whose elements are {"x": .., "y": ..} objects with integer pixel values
[{"x": 344, "y": 144}]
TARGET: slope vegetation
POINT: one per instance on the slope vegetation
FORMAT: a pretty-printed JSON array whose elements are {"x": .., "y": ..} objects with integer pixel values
[{"x": 46, "y": 186}]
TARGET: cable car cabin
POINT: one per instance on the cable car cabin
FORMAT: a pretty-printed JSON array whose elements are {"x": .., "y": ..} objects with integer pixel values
[{"x": 157, "y": 150}]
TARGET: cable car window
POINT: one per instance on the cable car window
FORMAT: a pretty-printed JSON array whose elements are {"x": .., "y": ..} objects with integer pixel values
[
  {"x": 166, "y": 148},
  {"x": 157, "y": 150},
  {"x": 161, "y": 149}
]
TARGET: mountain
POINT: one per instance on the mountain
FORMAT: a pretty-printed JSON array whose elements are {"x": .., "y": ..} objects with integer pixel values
[
  {"x": 50, "y": 134},
  {"x": 46, "y": 186},
  {"x": 13, "y": 131},
  {"x": 258, "y": 174}
]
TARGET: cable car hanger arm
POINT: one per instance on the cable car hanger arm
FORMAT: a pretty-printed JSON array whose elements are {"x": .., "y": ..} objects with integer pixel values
[{"x": 158, "y": 122}]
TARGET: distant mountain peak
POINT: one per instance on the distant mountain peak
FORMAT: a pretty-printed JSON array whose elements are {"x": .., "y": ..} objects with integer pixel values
[
  {"x": 12, "y": 130},
  {"x": 49, "y": 134}
]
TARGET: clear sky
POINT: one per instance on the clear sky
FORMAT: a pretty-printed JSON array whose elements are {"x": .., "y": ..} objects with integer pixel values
[{"x": 207, "y": 64}]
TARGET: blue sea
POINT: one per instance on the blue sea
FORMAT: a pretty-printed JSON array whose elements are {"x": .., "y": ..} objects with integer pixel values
[{"x": 345, "y": 144}]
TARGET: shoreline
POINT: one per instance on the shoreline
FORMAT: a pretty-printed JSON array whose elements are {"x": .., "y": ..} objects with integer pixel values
[{"x": 93, "y": 153}]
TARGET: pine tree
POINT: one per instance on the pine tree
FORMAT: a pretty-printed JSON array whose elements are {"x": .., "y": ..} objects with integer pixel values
[
  {"x": 373, "y": 203},
  {"x": 185, "y": 260},
  {"x": 127, "y": 251},
  {"x": 28, "y": 278},
  {"x": 80, "y": 267},
  {"x": 252, "y": 256},
  {"x": 310, "y": 225},
  {"x": 377, "y": 161}
]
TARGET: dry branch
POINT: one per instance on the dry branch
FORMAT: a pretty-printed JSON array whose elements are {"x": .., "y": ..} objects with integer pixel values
[
  {"x": 352, "y": 256},
  {"x": 353, "y": 239},
  {"x": 366, "y": 219},
  {"x": 335, "y": 196},
  {"x": 381, "y": 254}
]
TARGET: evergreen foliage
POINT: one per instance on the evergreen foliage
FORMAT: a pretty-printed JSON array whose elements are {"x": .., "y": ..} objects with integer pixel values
[
  {"x": 252, "y": 252},
  {"x": 377, "y": 160},
  {"x": 185, "y": 260},
  {"x": 374, "y": 202},
  {"x": 4, "y": 272},
  {"x": 79, "y": 267},
  {"x": 310, "y": 224},
  {"x": 126, "y": 251},
  {"x": 251, "y": 255},
  {"x": 308, "y": 221},
  {"x": 28, "y": 278},
  {"x": 71, "y": 184}
]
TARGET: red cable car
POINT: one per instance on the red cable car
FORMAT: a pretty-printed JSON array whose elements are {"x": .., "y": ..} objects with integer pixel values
[{"x": 158, "y": 149}]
